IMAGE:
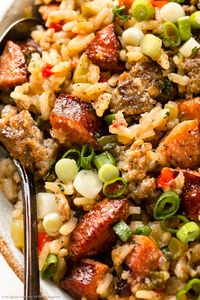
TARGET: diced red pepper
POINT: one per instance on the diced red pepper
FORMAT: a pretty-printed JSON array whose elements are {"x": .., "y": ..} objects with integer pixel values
[
  {"x": 56, "y": 26},
  {"x": 159, "y": 3},
  {"x": 166, "y": 178},
  {"x": 46, "y": 70},
  {"x": 126, "y": 3},
  {"x": 43, "y": 238}
]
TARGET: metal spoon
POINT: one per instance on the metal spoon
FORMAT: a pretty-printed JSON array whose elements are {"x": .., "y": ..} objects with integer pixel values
[{"x": 20, "y": 30}]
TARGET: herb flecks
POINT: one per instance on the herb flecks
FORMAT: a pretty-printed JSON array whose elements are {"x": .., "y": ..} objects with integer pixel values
[{"x": 118, "y": 12}]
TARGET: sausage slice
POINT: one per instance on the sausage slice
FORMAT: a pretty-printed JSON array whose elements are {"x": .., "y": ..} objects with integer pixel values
[
  {"x": 74, "y": 121},
  {"x": 13, "y": 70},
  {"x": 190, "y": 109},
  {"x": 94, "y": 231},
  {"x": 181, "y": 147},
  {"x": 143, "y": 258},
  {"x": 103, "y": 51},
  {"x": 82, "y": 279},
  {"x": 191, "y": 194}
]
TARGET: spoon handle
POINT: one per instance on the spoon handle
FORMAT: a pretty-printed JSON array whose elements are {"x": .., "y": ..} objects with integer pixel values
[{"x": 31, "y": 269}]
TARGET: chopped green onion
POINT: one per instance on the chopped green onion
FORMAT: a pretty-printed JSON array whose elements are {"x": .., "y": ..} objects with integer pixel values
[
  {"x": 192, "y": 285},
  {"x": 171, "y": 36},
  {"x": 73, "y": 154},
  {"x": 50, "y": 266},
  {"x": 167, "y": 205},
  {"x": 81, "y": 70},
  {"x": 87, "y": 184},
  {"x": 178, "y": 1},
  {"x": 142, "y": 10},
  {"x": 118, "y": 12},
  {"x": 46, "y": 204},
  {"x": 189, "y": 232},
  {"x": 115, "y": 188},
  {"x": 107, "y": 142},
  {"x": 109, "y": 119},
  {"x": 195, "y": 20},
  {"x": 144, "y": 230},
  {"x": 176, "y": 247},
  {"x": 151, "y": 45},
  {"x": 104, "y": 158},
  {"x": 184, "y": 28},
  {"x": 52, "y": 223},
  {"x": 108, "y": 172},
  {"x": 66, "y": 169},
  {"x": 168, "y": 222},
  {"x": 123, "y": 231},
  {"x": 87, "y": 155},
  {"x": 189, "y": 47},
  {"x": 171, "y": 12}
]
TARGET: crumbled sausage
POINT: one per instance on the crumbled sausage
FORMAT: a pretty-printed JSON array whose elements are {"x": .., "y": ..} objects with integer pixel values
[
  {"x": 23, "y": 139},
  {"x": 191, "y": 66},
  {"x": 74, "y": 121},
  {"x": 82, "y": 280},
  {"x": 138, "y": 90},
  {"x": 180, "y": 147},
  {"x": 94, "y": 231},
  {"x": 104, "y": 49}
]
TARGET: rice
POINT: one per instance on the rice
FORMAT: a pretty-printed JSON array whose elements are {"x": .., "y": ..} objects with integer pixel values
[{"x": 134, "y": 137}]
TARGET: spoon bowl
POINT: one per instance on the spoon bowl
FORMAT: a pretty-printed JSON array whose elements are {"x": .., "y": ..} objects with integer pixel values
[{"x": 20, "y": 30}]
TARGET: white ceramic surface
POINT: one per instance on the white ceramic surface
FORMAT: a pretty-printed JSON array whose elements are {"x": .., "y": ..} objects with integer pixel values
[{"x": 9, "y": 288}]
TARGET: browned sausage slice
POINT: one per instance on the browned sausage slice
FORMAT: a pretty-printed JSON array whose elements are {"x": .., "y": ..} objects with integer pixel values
[
  {"x": 103, "y": 51},
  {"x": 190, "y": 109},
  {"x": 181, "y": 147},
  {"x": 82, "y": 279},
  {"x": 74, "y": 121},
  {"x": 94, "y": 231},
  {"x": 12, "y": 66},
  {"x": 143, "y": 258},
  {"x": 191, "y": 194}
]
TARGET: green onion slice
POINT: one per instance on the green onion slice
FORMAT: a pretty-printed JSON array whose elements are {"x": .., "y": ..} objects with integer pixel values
[
  {"x": 108, "y": 172},
  {"x": 144, "y": 230},
  {"x": 123, "y": 231},
  {"x": 107, "y": 142},
  {"x": 73, "y": 154},
  {"x": 192, "y": 285},
  {"x": 167, "y": 205},
  {"x": 184, "y": 28},
  {"x": 104, "y": 158},
  {"x": 109, "y": 119},
  {"x": 195, "y": 20},
  {"x": 169, "y": 223},
  {"x": 87, "y": 155},
  {"x": 115, "y": 188},
  {"x": 50, "y": 266},
  {"x": 142, "y": 10},
  {"x": 189, "y": 232},
  {"x": 171, "y": 36}
]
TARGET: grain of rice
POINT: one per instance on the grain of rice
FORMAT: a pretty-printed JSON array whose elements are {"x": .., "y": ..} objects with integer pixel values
[
  {"x": 69, "y": 226},
  {"x": 120, "y": 252},
  {"x": 102, "y": 104},
  {"x": 87, "y": 91},
  {"x": 63, "y": 207},
  {"x": 57, "y": 187},
  {"x": 180, "y": 79},
  {"x": 103, "y": 285},
  {"x": 79, "y": 43},
  {"x": 43, "y": 255},
  {"x": 150, "y": 295}
]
